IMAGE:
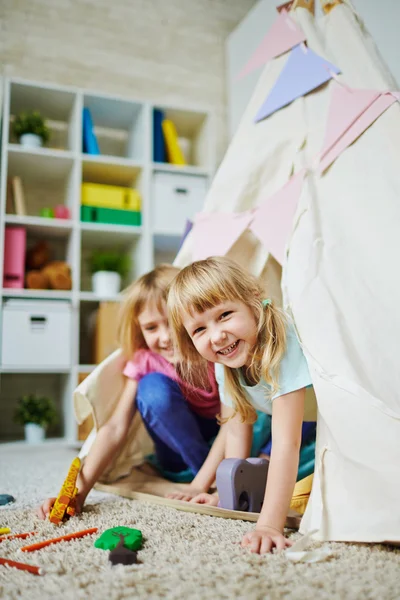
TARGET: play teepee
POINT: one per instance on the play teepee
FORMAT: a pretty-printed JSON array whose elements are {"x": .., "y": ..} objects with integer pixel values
[{"x": 340, "y": 253}]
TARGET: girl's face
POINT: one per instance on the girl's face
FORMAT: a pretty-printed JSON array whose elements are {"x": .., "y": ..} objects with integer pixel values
[
  {"x": 155, "y": 330},
  {"x": 226, "y": 333}
]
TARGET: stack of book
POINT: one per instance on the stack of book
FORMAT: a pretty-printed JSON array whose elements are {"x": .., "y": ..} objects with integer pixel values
[
  {"x": 165, "y": 140},
  {"x": 110, "y": 204}
]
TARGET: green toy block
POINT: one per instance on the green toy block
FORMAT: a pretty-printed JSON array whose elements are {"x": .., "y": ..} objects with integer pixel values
[
  {"x": 110, "y": 538},
  {"x": 112, "y": 216}
]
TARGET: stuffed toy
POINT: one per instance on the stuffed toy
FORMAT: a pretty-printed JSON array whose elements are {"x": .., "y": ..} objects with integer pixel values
[{"x": 43, "y": 274}]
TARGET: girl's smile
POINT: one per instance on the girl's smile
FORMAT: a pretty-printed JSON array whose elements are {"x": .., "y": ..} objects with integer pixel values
[{"x": 225, "y": 333}]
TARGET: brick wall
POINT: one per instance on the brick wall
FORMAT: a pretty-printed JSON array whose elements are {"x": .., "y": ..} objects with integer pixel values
[{"x": 157, "y": 50}]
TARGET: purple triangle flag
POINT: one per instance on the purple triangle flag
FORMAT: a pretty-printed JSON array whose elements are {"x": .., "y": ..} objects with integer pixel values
[{"x": 303, "y": 72}]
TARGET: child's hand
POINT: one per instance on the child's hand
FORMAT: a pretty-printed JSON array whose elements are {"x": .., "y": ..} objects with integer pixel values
[
  {"x": 264, "y": 539},
  {"x": 44, "y": 509},
  {"x": 185, "y": 495},
  {"x": 204, "y": 498}
]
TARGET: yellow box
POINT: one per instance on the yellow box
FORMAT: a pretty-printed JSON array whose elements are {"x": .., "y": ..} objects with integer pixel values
[{"x": 110, "y": 196}]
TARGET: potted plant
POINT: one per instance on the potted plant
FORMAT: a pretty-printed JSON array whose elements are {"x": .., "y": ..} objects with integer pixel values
[
  {"x": 108, "y": 268},
  {"x": 30, "y": 129},
  {"x": 36, "y": 413}
]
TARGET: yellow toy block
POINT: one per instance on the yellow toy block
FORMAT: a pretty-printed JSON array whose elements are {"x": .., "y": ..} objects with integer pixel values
[
  {"x": 67, "y": 494},
  {"x": 110, "y": 196},
  {"x": 174, "y": 152}
]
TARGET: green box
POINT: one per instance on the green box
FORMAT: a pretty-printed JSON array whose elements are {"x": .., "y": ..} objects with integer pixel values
[{"x": 112, "y": 216}]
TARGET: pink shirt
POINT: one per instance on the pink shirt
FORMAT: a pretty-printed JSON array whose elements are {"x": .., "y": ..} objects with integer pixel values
[{"x": 205, "y": 403}]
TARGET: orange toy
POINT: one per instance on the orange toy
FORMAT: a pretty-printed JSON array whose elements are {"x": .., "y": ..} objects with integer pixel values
[{"x": 65, "y": 503}]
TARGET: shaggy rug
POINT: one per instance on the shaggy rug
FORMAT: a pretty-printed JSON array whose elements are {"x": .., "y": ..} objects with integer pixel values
[{"x": 184, "y": 555}]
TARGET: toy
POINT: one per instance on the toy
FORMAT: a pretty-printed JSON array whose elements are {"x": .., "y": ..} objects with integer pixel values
[
  {"x": 47, "y": 212},
  {"x": 109, "y": 538},
  {"x": 16, "y": 536},
  {"x": 6, "y": 499},
  {"x": 43, "y": 274},
  {"x": 65, "y": 503},
  {"x": 241, "y": 483},
  {"x": 121, "y": 555},
  {"x": 22, "y": 566},
  {"x": 66, "y": 538},
  {"x": 62, "y": 212}
]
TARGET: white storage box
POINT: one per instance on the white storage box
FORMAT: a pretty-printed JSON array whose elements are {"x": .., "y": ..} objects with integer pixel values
[
  {"x": 36, "y": 333},
  {"x": 175, "y": 199}
]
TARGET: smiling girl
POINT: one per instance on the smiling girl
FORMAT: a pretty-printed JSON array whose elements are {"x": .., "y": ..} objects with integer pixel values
[
  {"x": 180, "y": 417},
  {"x": 217, "y": 314}
]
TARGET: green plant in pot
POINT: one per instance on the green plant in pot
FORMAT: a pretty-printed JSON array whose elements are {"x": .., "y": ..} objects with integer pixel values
[
  {"x": 36, "y": 413},
  {"x": 108, "y": 269},
  {"x": 30, "y": 128}
]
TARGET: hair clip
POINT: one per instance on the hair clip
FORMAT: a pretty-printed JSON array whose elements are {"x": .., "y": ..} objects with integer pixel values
[{"x": 267, "y": 301}]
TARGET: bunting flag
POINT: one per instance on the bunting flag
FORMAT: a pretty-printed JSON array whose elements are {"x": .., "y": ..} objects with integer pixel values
[
  {"x": 215, "y": 233},
  {"x": 357, "y": 128},
  {"x": 345, "y": 107},
  {"x": 281, "y": 37},
  {"x": 187, "y": 230},
  {"x": 272, "y": 223},
  {"x": 303, "y": 72}
]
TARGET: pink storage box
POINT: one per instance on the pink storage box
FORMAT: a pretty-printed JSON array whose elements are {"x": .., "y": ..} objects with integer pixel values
[{"x": 14, "y": 257}]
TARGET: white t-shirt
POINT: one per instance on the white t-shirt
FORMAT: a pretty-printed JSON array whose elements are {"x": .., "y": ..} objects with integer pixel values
[{"x": 293, "y": 375}]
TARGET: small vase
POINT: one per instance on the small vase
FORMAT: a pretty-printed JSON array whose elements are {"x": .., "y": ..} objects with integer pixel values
[
  {"x": 31, "y": 140},
  {"x": 106, "y": 283},
  {"x": 34, "y": 434}
]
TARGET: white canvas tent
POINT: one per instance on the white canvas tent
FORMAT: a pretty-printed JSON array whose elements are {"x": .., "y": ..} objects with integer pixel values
[
  {"x": 340, "y": 276},
  {"x": 338, "y": 280}
]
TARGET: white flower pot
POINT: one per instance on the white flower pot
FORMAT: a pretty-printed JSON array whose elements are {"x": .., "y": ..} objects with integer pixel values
[
  {"x": 34, "y": 434},
  {"x": 31, "y": 140},
  {"x": 106, "y": 283}
]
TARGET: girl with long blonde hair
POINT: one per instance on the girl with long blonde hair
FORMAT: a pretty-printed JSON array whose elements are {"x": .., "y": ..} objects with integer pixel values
[
  {"x": 180, "y": 417},
  {"x": 218, "y": 314}
]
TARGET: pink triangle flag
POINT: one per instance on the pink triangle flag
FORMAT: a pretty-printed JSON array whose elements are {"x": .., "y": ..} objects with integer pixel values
[
  {"x": 215, "y": 233},
  {"x": 281, "y": 37},
  {"x": 345, "y": 107},
  {"x": 272, "y": 222},
  {"x": 373, "y": 112},
  {"x": 303, "y": 72}
]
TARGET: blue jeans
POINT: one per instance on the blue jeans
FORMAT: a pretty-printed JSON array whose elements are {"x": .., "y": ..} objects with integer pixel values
[{"x": 181, "y": 437}]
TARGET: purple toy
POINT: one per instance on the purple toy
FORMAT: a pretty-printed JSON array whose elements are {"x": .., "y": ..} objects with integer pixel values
[{"x": 241, "y": 483}]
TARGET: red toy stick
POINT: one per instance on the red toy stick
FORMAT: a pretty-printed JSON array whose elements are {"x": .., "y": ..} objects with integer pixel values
[
  {"x": 70, "y": 536},
  {"x": 21, "y": 566},
  {"x": 14, "y": 536}
]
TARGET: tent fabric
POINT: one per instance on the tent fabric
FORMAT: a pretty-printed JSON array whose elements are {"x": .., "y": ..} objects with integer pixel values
[{"x": 338, "y": 279}]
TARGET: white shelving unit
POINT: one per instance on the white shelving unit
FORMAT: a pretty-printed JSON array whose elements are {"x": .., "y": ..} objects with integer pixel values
[{"x": 53, "y": 175}]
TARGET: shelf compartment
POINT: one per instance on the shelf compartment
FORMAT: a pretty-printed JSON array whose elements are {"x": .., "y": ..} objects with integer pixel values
[
  {"x": 57, "y": 105},
  {"x": 110, "y": 170},
  {"x": 48, "y": 179},
  {"x": 97, "y": 332},
  {"x": 119, "y": 238},
  {"x": 118, "y": 125},
  {"x": 19, "y": 383},
  {"x": 194, "y": 126}
]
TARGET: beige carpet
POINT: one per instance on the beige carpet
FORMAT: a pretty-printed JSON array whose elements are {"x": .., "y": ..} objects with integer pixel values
[{"x": 184, "y": 555}]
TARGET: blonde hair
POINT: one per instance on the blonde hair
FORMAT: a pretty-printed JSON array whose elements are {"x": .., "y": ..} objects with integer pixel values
[
  {"x": 152, "y": 286},
  {"x": 205, "y": 284}
]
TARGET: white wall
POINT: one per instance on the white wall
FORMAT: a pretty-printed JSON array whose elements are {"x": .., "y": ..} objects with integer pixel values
[
  {"x": 381, "y": 18},
  {"x": 157, "y": 50}
]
